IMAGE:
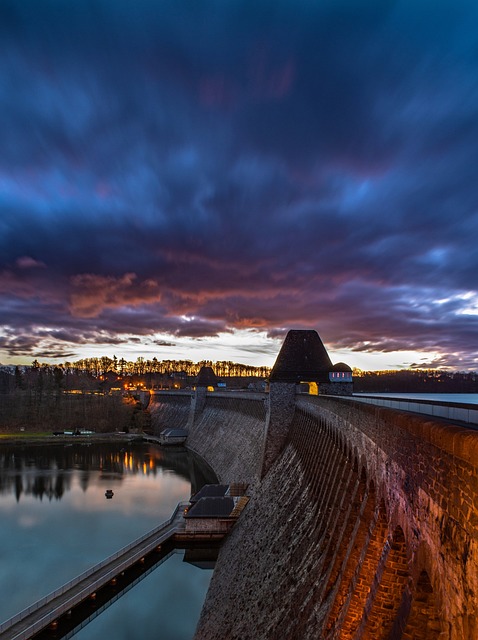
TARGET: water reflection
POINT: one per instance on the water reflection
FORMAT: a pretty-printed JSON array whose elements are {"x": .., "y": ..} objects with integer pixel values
[
  {"x": 47, "y": 471},
  {"x": 166, "y": 605},
  {"x": 56, "y": 521}
]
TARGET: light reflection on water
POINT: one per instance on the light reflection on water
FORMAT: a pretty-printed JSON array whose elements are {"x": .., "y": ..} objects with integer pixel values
[{"x": 57, "y": 522}]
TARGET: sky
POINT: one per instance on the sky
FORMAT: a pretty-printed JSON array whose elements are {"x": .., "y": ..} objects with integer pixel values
[{"x": 191, "y": 179}]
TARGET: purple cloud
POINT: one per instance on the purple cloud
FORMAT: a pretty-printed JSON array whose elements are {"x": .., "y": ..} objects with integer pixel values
[{"x": 196, "y": 170}]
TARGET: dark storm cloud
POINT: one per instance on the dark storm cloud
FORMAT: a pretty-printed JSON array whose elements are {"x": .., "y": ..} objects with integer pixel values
[{"x": 191, "y": 168}]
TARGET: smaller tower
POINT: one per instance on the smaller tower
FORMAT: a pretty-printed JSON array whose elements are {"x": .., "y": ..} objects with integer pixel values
[
  {"x": 206, "y": 378},
  {"x": 340, "y": 381}
]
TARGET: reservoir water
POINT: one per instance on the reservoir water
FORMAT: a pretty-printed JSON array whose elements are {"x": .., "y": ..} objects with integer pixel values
[
  {"x": 461, "y": 398},
  {"x": 56, "y": 522}
]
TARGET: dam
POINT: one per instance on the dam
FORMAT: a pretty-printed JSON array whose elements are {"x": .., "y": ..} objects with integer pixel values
[{"x": 361, "y": 521}]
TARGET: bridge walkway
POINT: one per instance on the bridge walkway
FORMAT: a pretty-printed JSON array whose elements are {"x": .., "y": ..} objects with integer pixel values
[
  {"x": 460, "y": 414},
  {"x": 45, "y": 612}
]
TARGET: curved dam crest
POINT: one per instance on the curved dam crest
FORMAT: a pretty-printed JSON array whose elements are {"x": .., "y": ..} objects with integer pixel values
[
  {"x": 228, "y": 431},
  {"x": 362, "y": 524}
]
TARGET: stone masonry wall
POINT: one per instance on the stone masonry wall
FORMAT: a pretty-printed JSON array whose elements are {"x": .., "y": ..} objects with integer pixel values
[
  {"x": 228, "y": 434},
  {"x": 169, "y": 410},
  {"x": 280, "y": 415},
  {"x": 426, "y": 474},
  {"x": 364, "y": 527}
]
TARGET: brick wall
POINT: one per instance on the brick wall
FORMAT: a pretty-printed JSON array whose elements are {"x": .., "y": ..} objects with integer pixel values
[
  {"x": 364, "y": 526},
  {"x": 169, "y": 410},
  {"x": 229, "y": 432}
]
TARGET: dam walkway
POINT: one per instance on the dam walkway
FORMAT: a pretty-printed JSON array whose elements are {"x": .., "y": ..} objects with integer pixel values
[
  {"x": 458, "y": 412},
  {"x": 62, "y": 612}
]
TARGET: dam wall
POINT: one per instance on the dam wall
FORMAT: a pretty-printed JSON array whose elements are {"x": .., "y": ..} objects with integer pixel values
[
  {"x": 169, "y": 409},
  {"x": 229, "y": 432},
  {"x": 226, "y": 429},
  {"x": 364, "y": 526}
]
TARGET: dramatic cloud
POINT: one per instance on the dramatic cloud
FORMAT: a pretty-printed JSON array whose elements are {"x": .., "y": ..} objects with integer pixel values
[{"x": 173, "y": 169}]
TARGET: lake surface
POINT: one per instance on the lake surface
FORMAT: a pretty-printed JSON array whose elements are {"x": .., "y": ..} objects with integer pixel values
[
  {"x": 56, "y": 522},
  {"x": 461, "y": 398}
]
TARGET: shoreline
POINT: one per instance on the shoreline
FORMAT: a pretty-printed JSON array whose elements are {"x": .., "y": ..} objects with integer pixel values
[{"x": 49, "y": 438}]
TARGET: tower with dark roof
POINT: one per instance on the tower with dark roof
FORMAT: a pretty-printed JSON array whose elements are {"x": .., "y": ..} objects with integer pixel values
[
  {"x": 302, "y": 358},
  {"x": 206, "y": 378}
]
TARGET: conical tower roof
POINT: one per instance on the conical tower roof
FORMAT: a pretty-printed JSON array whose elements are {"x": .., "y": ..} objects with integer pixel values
[
  {"x": 302, "y": 357},
  {"x": 206, "y": 377}
]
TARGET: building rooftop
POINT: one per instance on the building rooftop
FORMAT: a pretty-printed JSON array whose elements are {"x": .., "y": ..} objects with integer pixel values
[
  {"x": 302, "y": 358},
  {"x": 210, "y": 491},
  {"x": 206, "y": 377},
  {"x": 212, "y": 507},
  {"x": 174, "y": 433},
  {"x": 341, "y": 366}
]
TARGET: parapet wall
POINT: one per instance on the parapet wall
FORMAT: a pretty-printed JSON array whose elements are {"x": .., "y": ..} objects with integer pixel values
[{"x": 364, "y": 527}]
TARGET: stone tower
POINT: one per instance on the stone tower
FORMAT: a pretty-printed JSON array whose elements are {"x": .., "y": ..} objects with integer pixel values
[
  {"x": 302, "y": 358},
  {"x": 206, "y": 378}
]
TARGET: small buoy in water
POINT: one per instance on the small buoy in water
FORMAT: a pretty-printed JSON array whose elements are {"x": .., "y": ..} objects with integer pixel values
[{"x": 109, "y": 494}]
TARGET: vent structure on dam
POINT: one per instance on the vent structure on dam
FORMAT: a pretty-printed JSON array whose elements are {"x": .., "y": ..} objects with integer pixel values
[{"x": 302, "y": 357}]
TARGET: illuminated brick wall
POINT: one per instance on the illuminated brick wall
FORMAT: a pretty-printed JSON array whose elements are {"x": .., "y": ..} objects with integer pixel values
[{"x": 364, "y": 526}]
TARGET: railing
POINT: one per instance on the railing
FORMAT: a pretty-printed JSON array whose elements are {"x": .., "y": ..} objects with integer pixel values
[
  {"x": 232, "y": 393},
  {"x": 171, "y": 392},
  {"x": 456, "y": 412},
  {"x": 245, "y": 394},
  {"x": 91, "y": 588}
]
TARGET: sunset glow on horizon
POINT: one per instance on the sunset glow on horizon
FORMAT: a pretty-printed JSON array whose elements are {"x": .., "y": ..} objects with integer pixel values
[{"x": 191, "y": 181}]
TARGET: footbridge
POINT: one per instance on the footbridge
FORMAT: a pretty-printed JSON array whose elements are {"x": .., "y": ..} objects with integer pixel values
[{"x": 64, "y": 611}]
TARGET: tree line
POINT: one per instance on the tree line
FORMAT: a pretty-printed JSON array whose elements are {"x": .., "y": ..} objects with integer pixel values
[
  {"x": 44, "y": 398},
  {"x": 88, "y": 375},
  {"x": 141, "y": 366},
  {"x": 415, "y": 381}
]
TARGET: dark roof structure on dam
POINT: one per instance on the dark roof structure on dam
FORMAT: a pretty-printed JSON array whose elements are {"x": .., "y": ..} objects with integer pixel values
[
  {"x": 206, "y": 377},
  {"x": 211, "y": 507},
  {"x": 210, "y": 491},
  {"x": 302, "y": 358},
  {"x": 341, "y": 366}
]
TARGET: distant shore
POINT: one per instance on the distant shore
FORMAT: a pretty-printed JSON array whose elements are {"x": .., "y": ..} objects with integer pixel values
[{"x": 49, "y": 438}]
